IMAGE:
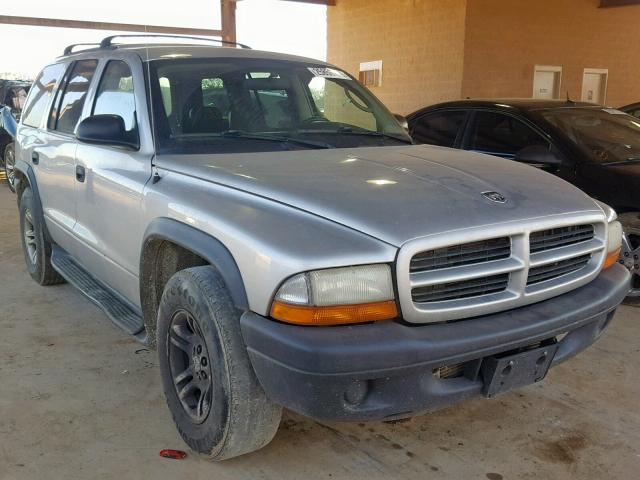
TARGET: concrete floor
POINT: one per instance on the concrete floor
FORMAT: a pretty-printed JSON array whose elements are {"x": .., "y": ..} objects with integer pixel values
[{"x": 80, "y": 399}]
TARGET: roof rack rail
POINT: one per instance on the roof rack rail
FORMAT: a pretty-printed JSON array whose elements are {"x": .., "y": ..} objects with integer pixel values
[
  {"x": 69, "y": 49},
  {"x": 108, "y": 41}
]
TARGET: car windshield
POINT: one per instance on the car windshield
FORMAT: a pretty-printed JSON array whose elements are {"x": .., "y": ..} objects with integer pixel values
[
  {"x": 232, "y": 105},
  {"x": 605, "y": 135}
]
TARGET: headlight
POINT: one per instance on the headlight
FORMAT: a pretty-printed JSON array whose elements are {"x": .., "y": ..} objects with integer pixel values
[
  {"x": 614, "y": 235},
  {"x": 337, "y": 296}
]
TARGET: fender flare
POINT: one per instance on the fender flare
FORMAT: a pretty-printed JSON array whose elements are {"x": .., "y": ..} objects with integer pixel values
[
  {"x": 27, "y": 170},
  {"x": 203, "y": 245}
]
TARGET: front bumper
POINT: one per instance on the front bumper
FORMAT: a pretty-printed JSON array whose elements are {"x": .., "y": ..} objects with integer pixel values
[{"x": 385, "y": 370}]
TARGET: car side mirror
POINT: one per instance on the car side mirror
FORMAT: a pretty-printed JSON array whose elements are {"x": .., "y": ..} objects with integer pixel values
[
  {"x": 538, "y": 155},
  {"x": 106, "y": 130},
  {"x": 402, "y": 120}
]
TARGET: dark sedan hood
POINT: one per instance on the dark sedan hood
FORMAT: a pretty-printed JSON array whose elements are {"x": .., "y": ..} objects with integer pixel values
[{"x": 392, "y": 193}]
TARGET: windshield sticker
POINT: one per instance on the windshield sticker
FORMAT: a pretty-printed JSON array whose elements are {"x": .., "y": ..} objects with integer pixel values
[
  {"x": 326, "y": 72},
  {"x": 613, "y": 111}
]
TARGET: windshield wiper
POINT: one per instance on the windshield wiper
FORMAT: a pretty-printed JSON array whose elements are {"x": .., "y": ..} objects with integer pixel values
[
  {"x": 273, "y": 138},
  {"x": 628, "y": 161}
]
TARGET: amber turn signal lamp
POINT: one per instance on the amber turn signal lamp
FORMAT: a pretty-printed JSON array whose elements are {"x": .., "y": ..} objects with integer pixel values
[
  {"x": 612, "y": 259},
  {"x": 334, "y": 315}
]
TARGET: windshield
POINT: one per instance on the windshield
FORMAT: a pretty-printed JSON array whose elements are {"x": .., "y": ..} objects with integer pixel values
[
  {"x": 231, "y": 105},
  {"x": 604, "y": 135}
]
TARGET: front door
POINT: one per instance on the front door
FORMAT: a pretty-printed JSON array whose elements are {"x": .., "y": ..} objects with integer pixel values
[{"x": 109, "y": 193}]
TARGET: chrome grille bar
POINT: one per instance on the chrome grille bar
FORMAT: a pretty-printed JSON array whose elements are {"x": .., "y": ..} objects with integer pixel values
[
  {"x": 465, "y": 273},
  {"x": 461, "y": 289},
  {"x": 465, "y": 254},
  {"x": 560, "y": 237},
  {"x": 556, "y": 269}
]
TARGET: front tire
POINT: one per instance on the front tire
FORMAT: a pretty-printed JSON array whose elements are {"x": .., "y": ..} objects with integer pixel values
[
  {"x": 37, "y": 250},
  {"x": 213, "y": 394},
  {"x": 10, "y": 166}
]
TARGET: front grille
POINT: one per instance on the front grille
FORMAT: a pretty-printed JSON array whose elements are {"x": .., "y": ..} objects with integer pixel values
[
  {"x": 483, "y": 270},
  {"x": 464, "y": 289},
  {"x": 557, "y": 269},
  {"x": 560, "y": 237},
  {"x": 465, "y": 254}
]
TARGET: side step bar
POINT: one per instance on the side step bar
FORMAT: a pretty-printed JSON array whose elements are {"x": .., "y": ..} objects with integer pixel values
[{"x": 116, "y": 309}]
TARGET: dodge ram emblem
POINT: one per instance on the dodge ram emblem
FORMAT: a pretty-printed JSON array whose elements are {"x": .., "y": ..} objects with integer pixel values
[{"x": 495, "y": 197}]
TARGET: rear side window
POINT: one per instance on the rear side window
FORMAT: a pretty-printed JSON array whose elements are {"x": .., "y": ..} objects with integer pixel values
[
  {"x": 75, "y": 93},
  {"x": 40, "y": 94},
  {"x": 499, "y": 134},
  {"x": 439, "y": 128},
  {"x": 115, "y": 94}
]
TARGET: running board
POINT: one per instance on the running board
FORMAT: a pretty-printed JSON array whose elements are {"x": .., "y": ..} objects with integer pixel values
[{"x": 117, "y": 310}]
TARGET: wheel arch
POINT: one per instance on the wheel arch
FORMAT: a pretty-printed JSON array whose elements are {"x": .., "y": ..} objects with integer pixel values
[
  {"x": 170, "y": 246},
  {"x": 26, "y": 178}
]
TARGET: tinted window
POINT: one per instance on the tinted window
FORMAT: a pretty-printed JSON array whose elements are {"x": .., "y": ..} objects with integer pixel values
[
  {"x": 40, "y": 94},
  {"x": 438, "y": 128},
  {"x": 250, "y": 105},
  {"x": 603, "y": 134},
  {"x": 75, "y": 93},
  {"x": 115, "y": 94},
  {"x": 500, "y": 134}
]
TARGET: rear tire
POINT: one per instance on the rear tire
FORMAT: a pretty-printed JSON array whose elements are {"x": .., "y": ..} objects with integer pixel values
[
  {"x": 631, "y": 253},
  {"x": 213, "y": 394},
  {"x": 10, "y": 166},
  {"x": 37, "y": 250}
]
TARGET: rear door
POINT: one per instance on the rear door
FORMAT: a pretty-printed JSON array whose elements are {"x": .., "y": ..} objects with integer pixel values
[
  {"x": 57, "y": 158},
  {"x": 109, "y": 194},
  {"x": 440, "y": 127},
  {"x": 47, "y": 141}
]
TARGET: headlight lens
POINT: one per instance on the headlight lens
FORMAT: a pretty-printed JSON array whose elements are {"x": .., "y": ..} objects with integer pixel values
[
  {"x": 614, "y": 243},
  {"x": 615, "y": 237},
  {"x": 337, "y": 296}
]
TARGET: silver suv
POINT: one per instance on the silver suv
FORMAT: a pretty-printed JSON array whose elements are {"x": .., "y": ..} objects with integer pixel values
[{"x": 267, "y": 224}]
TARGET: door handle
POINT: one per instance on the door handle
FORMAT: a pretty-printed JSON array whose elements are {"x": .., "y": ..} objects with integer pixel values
[
  {"x": 80, "y": 173},
  {"x": 35, "y": 158}
]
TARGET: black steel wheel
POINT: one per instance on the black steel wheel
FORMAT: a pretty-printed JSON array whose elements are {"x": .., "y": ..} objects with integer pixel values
[
  {"x": 10, "y": 166},
  {"x": 37, "y": 248},
  {"x": 29, "y": 234},
  {"x": 190, "y": 366}
]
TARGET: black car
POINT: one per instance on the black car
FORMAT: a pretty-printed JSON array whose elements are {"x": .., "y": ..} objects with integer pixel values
[
  {"x": 633, "y": 109},
  {"x": 13, "y": 94},
  {"x": 595, "y": 148}
]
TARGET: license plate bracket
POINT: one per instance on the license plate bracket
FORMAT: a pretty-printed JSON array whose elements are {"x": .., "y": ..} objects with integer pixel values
[{"x": 502, "y": 373}]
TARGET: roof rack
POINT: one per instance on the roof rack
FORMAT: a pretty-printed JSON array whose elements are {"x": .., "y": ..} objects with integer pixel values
[
  {"x": 108, "y": 41},
  {"x": 69, "y": 49}
]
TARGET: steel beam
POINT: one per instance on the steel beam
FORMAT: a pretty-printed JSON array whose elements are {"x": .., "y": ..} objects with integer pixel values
[{"x": 119, "y": 27}]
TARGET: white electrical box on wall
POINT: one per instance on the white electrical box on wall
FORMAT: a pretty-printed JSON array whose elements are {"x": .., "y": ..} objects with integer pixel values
[{"x": 371, "y": 73}]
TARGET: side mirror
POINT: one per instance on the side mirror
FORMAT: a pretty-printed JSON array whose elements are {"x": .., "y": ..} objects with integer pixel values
[
  {"x": 402, "y": 120},
  {"x": 538, "y": 155},
  {"x": 106, "y": 130}
]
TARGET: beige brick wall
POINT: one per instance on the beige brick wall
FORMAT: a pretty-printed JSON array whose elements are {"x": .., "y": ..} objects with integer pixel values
[
  {"x": 420, "y": 42},
  {"x": 436, "y": 50},
  {"x": 506, "y": 39}
]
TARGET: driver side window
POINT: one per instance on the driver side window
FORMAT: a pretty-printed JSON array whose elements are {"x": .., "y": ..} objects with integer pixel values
[
  {"x": 502, "y": 135},
  {"x": 332, "y": 102}
]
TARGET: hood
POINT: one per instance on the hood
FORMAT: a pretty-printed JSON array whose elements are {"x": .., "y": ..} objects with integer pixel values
[{"x": 395, "y": 194}]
